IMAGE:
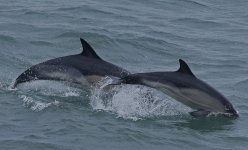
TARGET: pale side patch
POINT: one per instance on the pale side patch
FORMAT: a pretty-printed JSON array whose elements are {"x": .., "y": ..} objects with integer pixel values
[{"x": 193, "y": 98}]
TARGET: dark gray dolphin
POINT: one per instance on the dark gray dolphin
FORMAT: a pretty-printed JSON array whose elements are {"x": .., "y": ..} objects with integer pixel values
[
  {"x": 84, "y": 68},
  {"x": 186, "y": 88}
]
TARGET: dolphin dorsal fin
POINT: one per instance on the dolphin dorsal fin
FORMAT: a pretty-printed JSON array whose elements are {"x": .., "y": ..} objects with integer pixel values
[
  {"x": 184, "y": 68},
  {"x": 88, "y": 51}
]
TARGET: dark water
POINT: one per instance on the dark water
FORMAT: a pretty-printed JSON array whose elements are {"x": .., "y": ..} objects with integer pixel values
[{"x": 139, "y": 36}]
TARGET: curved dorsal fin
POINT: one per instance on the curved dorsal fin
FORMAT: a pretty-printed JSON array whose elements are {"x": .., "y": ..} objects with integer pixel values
[
  {"x": 184, "y": 68},
  {"x": 88, "y": 51}
]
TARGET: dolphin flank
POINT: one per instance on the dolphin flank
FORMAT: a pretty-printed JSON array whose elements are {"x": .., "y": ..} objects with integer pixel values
[
  {"x": 84, "y": 68},
  {"x": 186, "y": 88}
]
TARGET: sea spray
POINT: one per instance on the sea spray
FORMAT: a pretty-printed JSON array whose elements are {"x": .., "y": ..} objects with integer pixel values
[
  {"x": 36, "y": 105},
  {"x": 133, "y": 102}
]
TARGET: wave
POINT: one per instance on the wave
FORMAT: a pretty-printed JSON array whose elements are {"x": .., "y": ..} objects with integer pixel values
[
  {"x": 199, "y": 23},
  {"x": 7, "y": 38},
  {"x": 41, "y": 43},
  {"x": 17, "y": 143},
  {"x": 87, "y": 8},
  {"x": 193, "y": 3},
  {"x": 76, "y": 34}
]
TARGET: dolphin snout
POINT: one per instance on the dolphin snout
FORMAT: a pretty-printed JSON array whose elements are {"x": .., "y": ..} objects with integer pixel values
[
  {"x": 26, "y": 76},
  {"x": 233, "y": 112}
]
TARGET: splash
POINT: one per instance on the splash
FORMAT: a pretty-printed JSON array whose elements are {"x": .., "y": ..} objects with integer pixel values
[
  {"x": 36, "y": 105},
  {"x": 6, "y": 86},
  {"x": 134, "y": 102},
  {"x": 71, "y": 93},
  {"x": 50, "y": 88},
  {"x": 106, "y": 81},
  {"x": 11, "y": 86}
]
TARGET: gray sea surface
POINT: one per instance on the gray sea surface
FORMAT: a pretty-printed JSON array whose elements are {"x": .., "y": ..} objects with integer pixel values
[{"x": 140, "y": 36}]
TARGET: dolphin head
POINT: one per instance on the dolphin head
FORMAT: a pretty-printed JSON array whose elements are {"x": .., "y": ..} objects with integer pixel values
[
  {"x": 230, "y": 110},
  {"x": 26, "y": 76}
]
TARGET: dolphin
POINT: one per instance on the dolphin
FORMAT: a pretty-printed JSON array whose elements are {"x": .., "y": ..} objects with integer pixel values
[
  {"x": 185, "y": 87},
  {"x": 85, "y": 68}
]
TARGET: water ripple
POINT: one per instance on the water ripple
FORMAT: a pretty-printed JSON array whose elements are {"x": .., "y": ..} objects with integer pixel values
[
  {"x": 41, "y": 43},
  {"x": 26, "y": 144},
  {"x": 142, "y": 36},
  {"x": 7, "y": 38},
  {"x": 194, "y": 22}
]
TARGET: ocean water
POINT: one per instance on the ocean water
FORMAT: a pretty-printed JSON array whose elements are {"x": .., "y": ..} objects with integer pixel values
[{"x": 140, "y": 36}]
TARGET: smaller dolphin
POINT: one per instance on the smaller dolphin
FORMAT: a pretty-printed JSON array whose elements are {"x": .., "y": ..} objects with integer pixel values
[
  {"x": 186, "y": 88},
  {"x": 84, "y": 68}
]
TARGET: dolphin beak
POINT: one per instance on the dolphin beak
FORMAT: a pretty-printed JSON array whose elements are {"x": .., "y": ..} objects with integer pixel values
[
  {"x": 236, "y": 114},
  {"x": 233, "y": 113},
  {"x": 21, "y": 79}
]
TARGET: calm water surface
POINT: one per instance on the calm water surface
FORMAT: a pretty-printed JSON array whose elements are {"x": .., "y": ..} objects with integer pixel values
[{"x": 139, "y": 36}]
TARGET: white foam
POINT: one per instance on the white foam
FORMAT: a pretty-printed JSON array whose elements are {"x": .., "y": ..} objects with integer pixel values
[
  {"x": 105, "y": 81},
  {"x": 50, "y": 88},
  {"x": 11, "y": 86},
  {"x": 71, "y": 93},
  {"x": 134, "y": 102},
  {"x": 36, "y": 105}
]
